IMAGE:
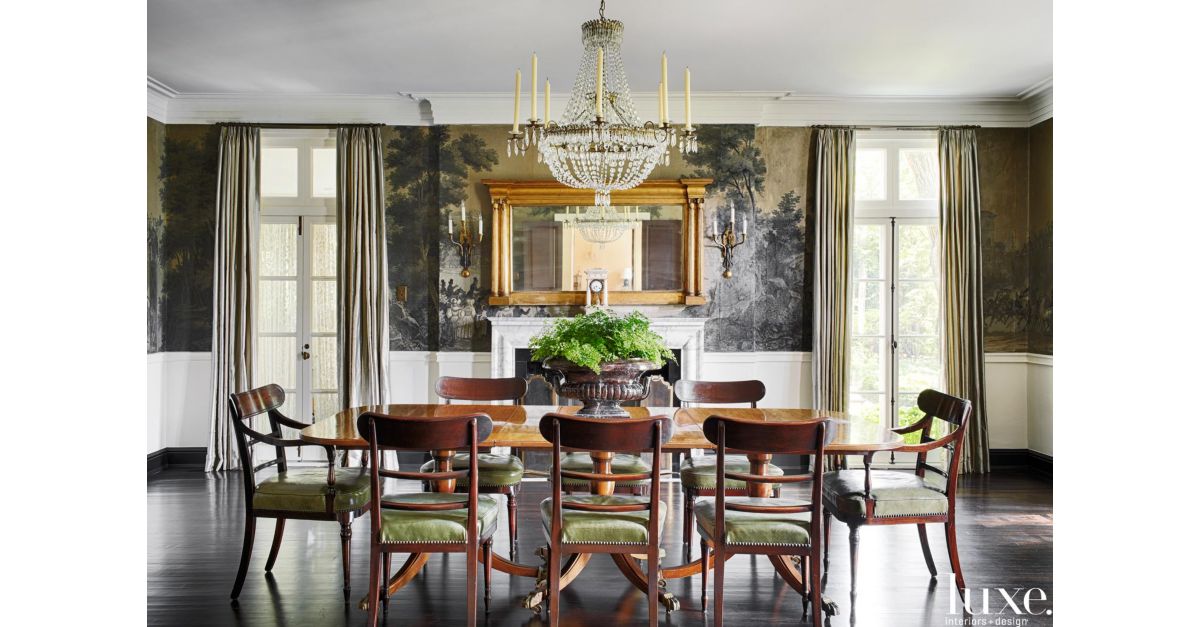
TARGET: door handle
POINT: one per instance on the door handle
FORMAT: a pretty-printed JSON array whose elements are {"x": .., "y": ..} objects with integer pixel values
[{"x": 304, "y": 354}]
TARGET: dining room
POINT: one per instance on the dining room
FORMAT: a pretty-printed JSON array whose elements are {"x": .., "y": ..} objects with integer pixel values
[
  {"x": 607, "y": 313},
  {"x": 868, "y": 304}
]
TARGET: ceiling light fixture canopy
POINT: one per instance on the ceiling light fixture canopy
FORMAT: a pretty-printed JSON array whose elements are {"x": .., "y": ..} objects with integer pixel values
[{"x": 600, "y": 143}]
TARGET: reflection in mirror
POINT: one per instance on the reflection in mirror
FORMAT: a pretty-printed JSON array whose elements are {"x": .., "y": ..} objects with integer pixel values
[{"x": 641, "y": 247}]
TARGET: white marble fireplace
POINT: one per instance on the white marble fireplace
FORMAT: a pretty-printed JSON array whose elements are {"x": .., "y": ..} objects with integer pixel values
[{"x": 509, "y": 334}]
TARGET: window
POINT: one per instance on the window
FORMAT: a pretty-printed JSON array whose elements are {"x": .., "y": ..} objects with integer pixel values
[
  {"x": 297, "y": 273},
  {"x": 895, "y": 319},
  {"x": 299, "y": 172}
]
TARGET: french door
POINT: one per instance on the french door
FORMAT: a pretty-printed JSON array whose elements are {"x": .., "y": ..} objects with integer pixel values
[
  {"x": 297, "y": 316},
  {"x": 896, "y": 323}
]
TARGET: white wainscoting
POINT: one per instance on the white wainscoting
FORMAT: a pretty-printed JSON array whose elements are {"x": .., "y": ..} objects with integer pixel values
[
  {"x": 1005, "y": 383},
  {"x": 178, "y": 400},
  {"x": 1040, "y": 394},
  {"x": 1020, "y": 390}
]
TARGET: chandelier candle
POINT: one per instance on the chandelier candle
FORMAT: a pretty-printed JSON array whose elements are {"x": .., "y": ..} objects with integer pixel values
[
  {"x": 533, "y": 91},
  {"x": 666, "y": 94},
  {"x": 599, "y": 83},
  {"x": 546, "y": 102},
  {"x": 687, "y": 99},
  {"x": 517, "y": 103},
  {"x": 662, "y": 112}
]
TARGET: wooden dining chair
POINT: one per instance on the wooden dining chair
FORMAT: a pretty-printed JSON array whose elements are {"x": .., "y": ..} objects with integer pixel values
[
  {"x": 603, "y": 523},
  {"x": 921, "y": 496},
  {"x": 498, "y": 474},
  {"x": 698, "y": 475},
  {"x": 428, "y": 522},
  {"x": 762, "y": 526},
  {"x": 331, "y": 493}
]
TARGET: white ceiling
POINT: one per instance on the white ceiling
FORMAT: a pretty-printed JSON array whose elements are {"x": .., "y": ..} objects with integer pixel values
[{"x": 935, "y": 48}]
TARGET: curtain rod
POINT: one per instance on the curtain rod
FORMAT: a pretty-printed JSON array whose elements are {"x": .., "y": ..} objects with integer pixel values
[
  {"x": 298, "y": 125},
  {"x": 894, "y": 127}
]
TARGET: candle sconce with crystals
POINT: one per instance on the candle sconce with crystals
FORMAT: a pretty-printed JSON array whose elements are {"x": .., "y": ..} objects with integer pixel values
[
  {"x": 726, "y": 240},
  {"x": 600, "y": 142},
  {"x": 464, "y": 240}
]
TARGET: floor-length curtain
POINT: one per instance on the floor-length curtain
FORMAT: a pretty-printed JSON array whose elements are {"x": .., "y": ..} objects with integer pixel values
[
  {"x": 962, "y": 291},
  {"x": 234, "y": 276},
  {"x": 831, "y": 266},
  {"x": 363, "y": 337}
]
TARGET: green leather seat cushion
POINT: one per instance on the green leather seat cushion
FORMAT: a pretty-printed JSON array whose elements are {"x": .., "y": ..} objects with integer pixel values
[
  {"x": 895, "y": 492},
  {"x": 753, "y": 527},
  {"x": 603, "y": 527},
  {"x": 701, "y": 472},
  {"x": 494, "y": 470},
  {"x": 303, "y": 490},
  {"x": 442, "y": 526},
  {"x": 622, "y": 463}
]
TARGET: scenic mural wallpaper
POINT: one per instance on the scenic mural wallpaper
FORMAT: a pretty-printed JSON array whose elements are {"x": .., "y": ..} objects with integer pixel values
[
  {"x": 765, "y": 171},
  {"x": 180, "y": 239},
  {"x": 1016, "y": 239}
]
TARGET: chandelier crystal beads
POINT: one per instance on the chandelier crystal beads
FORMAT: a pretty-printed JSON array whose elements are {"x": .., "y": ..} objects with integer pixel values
[{"x": 600, "y": 143}]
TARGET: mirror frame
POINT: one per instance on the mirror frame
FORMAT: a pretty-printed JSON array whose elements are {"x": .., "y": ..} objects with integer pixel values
[{"x": 685, "y": 192}]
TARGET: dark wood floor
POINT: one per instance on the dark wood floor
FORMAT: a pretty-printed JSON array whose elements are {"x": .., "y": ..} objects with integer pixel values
[{"x": 195, "y": 532}]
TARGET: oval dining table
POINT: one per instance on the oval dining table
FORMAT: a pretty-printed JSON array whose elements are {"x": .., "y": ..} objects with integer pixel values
[{"x": 517, "y": 426}]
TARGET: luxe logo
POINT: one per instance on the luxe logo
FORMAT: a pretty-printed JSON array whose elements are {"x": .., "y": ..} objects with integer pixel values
[{"x": 999, "y": 606}]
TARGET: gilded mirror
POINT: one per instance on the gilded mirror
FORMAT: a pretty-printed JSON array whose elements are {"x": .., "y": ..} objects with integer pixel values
[{"x": 551, "y": 243}]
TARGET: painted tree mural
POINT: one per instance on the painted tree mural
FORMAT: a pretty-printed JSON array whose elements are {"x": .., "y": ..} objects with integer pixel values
[
  {"x": 728, "y": 155},
  {"x": 780, "y": 322},
  {"x": 428, "y": 169},
  {"x": 189, "y": 179}
]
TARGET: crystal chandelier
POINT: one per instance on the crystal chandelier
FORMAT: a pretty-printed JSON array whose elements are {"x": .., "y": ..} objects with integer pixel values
[{"x": 600, "y": 143}]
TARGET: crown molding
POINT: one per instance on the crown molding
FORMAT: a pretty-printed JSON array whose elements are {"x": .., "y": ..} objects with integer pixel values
[
  {"x": 1040, "y": 100},
  {"x": 797, "y": 110},
  {"x": 761, "y": 108},
  {"x": 158, "y": 97},
  {"x": 172, "y": 107},
  {"x": 764, "y": 108}
]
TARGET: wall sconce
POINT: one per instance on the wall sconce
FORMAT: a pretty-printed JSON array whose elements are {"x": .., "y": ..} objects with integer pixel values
[
  {"x": 726, "y": 240},
  {"x": 466, "y": 244}
]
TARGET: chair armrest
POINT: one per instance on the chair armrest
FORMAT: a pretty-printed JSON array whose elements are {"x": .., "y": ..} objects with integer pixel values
[
  {"x": 925, "y": 447},
  {"x": 288, "y": 422},
  {"x": 916, "y": 426},
  {"x": 274, "y": 441}
]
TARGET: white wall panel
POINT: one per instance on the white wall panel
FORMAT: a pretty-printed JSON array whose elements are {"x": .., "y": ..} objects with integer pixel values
[
  {"x": 1040, "y": 394},
  {"x": 1008, "y": 413}
]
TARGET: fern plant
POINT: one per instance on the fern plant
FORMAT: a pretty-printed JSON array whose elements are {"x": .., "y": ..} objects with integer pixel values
[{"x": 599, "y": 336}]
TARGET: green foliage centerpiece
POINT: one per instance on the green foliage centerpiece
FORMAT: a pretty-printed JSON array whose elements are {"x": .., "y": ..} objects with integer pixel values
[{"x": 600, "y": 359}]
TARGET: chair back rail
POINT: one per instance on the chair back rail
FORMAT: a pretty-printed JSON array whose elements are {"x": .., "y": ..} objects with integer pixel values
[
  {"x": 722, "y": 392},
  {"x": 409, "y": 433},
  {"x": 415, "y": 433},
  {"x": 481, "y": 389},
  {"x": 801, "y": 438},
  {"x": 763, "y": 437},
  {"x": 600, "y": 434}
]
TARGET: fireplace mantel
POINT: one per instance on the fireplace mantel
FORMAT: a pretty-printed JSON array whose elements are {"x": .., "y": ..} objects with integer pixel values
[{"x": 509, "y": 334}]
